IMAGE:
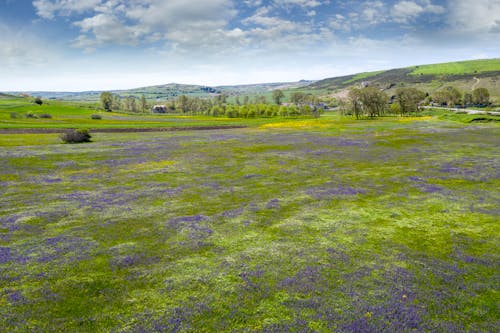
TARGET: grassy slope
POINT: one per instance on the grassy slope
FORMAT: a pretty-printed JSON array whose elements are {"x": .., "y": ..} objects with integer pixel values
[
  {"x": 459, "y": 67},
  {"x": 316, "y": 226},
  {"x": 464, "y": 75}
]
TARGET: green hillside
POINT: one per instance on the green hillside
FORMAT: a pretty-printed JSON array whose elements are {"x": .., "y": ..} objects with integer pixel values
[
  {"x": 459, "y": 68},
  {"x": 171, "y": 91},
  {"x": 464, "y": 75}
]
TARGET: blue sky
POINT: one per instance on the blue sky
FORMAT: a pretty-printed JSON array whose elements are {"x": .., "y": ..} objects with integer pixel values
[{"x": 74, "y": 45}]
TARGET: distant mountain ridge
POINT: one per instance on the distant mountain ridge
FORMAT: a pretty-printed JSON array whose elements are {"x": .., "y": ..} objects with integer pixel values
[{"x": 173, "y": 90}]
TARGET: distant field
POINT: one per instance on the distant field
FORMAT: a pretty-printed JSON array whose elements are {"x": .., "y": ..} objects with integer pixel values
[
  {"x": 459, "y": 68},
  {"x": 66, "y": 115}
]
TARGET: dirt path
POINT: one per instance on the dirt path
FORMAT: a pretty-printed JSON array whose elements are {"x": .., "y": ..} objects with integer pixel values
[
  {"x": 114, "y": 130},
  {"x": 475, "y": 84}
]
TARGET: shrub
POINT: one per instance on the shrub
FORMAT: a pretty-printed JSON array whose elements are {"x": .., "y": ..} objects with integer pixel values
[
  {"x": 38, "y": 101},
  {"x": 96, "y": 116},
  {"x": 31, "y": 115},
  {"x": 45, "y": 116},
  {"x": 15, "y": 115},
  {"x": 76, "y": 136}
]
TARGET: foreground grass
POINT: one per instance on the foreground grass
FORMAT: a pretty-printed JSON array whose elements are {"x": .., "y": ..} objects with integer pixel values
[{"x": 333, "y": 226}]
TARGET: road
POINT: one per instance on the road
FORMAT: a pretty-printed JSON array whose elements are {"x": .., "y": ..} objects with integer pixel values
[{"x": 468, "y": 111}]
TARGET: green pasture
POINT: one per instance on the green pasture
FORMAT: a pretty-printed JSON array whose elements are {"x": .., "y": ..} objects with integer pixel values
[
  {"x": 459, "y": 68},
  {"x": 364, "y": 75},
  {"x": 329, "y": 225},
  {"x": 68, "y": 115}
]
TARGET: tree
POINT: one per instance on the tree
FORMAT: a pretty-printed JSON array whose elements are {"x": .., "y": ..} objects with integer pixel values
[
  {"x": 116, "y": 103},
  {"x": 355, "y": 101},
  {"x": 448, "y": 95},
  {"x": 283, "y": 112},
  {"x": 133, "y": 105},
  {"x": 221, "y": 99},
  {"x": 278, "y": 96},
  {"x": 144, "y": 103},
  {"x": 182, "y": 103},
  {"x": 127, "y": 103},
  {"x": 468, "y": 99},
  {"x": 481, "y": 96},
  {"x": 373, "y": 101},
  {"x": 409, "y": 99},
  {"x": 368, "y": 101},
  {"x": 107, "y": 100}
]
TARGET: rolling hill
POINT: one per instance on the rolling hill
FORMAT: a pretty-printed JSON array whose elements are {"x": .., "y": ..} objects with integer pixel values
[
  {"x": 464, "y": 75},
  {"x": 173, "y": 90}
]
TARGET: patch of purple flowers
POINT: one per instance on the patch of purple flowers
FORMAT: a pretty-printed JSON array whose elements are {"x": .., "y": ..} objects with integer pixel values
[{"x": 329, "y": 190}]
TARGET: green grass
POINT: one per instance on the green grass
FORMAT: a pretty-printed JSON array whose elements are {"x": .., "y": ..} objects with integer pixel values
[
  {"x": 329, "y": 225},
  {"x": 68, "y": 115},
  {"x": 459, "y": 68},
  {"x": 361, "y": 76}
]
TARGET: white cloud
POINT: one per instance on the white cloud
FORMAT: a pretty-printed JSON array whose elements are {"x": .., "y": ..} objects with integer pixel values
[
  {"x": 48, "y": 9},
  {"x": 301, "y": 3},
  {"x": 273, "y": 33},
  {"x": 21, "y": 49},
  {"x": 129, "y": 22},
  {"x": 405, "y": 11},
  {"x": 474, "y": 16}
]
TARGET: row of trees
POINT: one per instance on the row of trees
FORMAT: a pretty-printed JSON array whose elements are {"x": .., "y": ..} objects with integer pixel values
[
  {"x": 372, "y": 102},
  {"x": 111, "y": 102},
  {"x": 451, "y": 96},
  {"x": 362, "y": 102},
  {"x": 263, "y": 110},
  {"x": 304, "y": 105}
]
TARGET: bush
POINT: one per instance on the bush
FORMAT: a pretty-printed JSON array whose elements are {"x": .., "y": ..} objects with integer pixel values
[
  {"x": 31, "y": 115},
  {"x": 15, "y": 115},
  {"x": 96, "y": 116},
  {"x": 76, "y": 136},
  {"x": 45, "y": 116},
  {"x": 38, "y": 101}
]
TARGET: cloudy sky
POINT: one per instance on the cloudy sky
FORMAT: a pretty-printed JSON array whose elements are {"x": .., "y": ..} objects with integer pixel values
[{"x": 74, "y": 45}]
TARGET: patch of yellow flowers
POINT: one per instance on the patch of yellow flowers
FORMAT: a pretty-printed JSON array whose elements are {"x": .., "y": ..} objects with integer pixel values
[{"x": 300, "y": 124}]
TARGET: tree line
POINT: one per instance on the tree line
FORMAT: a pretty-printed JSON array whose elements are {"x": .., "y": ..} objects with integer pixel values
[
  {"x": 303, "y": 104},
  {"x": 372, "y": 102},
  {"x": 361, "y": 102}
]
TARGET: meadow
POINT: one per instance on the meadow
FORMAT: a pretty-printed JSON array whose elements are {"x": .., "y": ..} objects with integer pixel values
[
  {"x": 21, "y": 114},
  {"x": 459, "y": 67},
  {"x": 13, "y": 113},
  {"x": 329, "y": 225}
]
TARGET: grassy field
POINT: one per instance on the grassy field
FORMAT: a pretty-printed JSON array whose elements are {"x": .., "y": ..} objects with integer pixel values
[
  {"x": 459, "y": 68},
  {"x": 328, "y": 225},
  {"x": 67, "y": 115},
  {"x": 361, "y": 76}
]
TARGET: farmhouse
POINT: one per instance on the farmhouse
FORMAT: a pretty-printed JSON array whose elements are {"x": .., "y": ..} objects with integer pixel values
[{"x": 159, "y": 109}]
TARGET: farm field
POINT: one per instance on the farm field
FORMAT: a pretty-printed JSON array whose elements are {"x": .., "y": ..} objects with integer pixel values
[
  {"x": 66, "y": 115},
  {"x": 329, "y": 225}
]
